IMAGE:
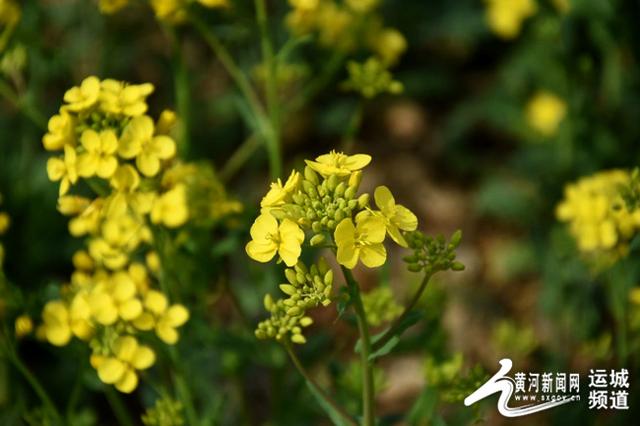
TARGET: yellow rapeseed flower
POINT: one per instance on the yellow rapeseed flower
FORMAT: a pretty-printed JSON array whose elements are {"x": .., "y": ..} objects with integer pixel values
[
  {"x": 597, "y": 216},
  {"x": 269, "y": 238},
  {"x": 388, "y": 44},
  {"x": 396, "y": 217},
  {"x": 337, "y": 163},
  {"x": 170, "y": 209},
  {"x": 63, "y": 169},
  {"x": 545, "y": 111},
  {"x": 120, "y": 369},
  {"x": 99, "y": 157},
  {"x": 505, "y": 17},
  {"x": 361, "y": 242},
  {"x": 278, "y": 193},
  {"x": 23, "y": 326},
  {"x": 138, "y": 141},
  {"x": 83, "y": 97},
  {"x": 61, "y": 132},
  {"x": 117, "y": 97}
]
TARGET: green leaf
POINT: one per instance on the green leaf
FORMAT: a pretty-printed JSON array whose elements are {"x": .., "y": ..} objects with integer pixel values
[
  {"x": 410, "y": 319},
  {"x": 424, "y": 408}
]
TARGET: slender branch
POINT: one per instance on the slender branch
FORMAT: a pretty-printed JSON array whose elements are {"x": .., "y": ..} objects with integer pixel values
[
  {"x": 398, "y": 322},
  {"x": 271, "y": 79},
  {"x": 11, "y": 354},
  {"x": 228, "y": 63},
  {"x": 239, "y": 158},
  {"x": 368, "y": 387},
  {"x": 321, "y": 392},
  {"x": 21, "y": 104},
  {"x": 181, "y": 88},
  {"x": 118, "y": 407}
]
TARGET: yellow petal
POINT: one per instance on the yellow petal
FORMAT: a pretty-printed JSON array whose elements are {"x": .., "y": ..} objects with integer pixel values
[
  {"x": 111, "y": 370},
  {"x": 144, "y": 358},
  {"x": 347, "y": 255},
  {"x": 177, "y": 315},
  {"x": 164, "y": 147},
  {"x": 345, "y": 233},
  {"x": 148, "y": 164},
  {"x": 125, "y": 348},
  {"x": 90, "y": 140},
  {"x": 357, "y": 161},
  {"x": 128, "y": 382},
  {"x": 166, "y": 333},
  {"x": 156, "y": 302},
  {"x": 373, "y": 255},
  {"x": 106, "y": 167},
  {"x": 371, "y": 229},
  {"x": 264, "y": 225},
  {"x": 261, "y": 251},
  {"x": 384, "y": 200},
  {"x": 405, "y": 219},
  {"x": 130, "y": 309}
]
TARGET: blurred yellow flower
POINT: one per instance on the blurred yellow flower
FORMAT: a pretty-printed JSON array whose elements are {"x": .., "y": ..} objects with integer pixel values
[
  {"x": 23, "y": 326},
  {"x": 337, "y": 163},
  {"x": 117, "y": 97},
  {"x": 112, "y": 6},
  {"x": 361, "y": 242},
  {"x": 388, "y": 44},
  {"x": 120, "y": 369},
  {"x": 269, "y": 238},
  {"x": 61, "y": 132},
  {"x": 170, "y": 209},
  {"x": 505, "y": 17},
  {"x": 83, "y": 97},
  {"x": 4, "y": 222},
  {"x": 597, "y": 216},
  {"x": 138, "y": 141},
  {"x": 545, "y": 111},
  {"x": 63, "y": 169},
  {"x": 55, "y": 318},
  {"x": 214, "y": 3},
  {"x": 99, "y": 157}
]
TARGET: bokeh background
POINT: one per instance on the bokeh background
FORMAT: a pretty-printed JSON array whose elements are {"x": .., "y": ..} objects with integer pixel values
[{"x": 501, "y": 109}]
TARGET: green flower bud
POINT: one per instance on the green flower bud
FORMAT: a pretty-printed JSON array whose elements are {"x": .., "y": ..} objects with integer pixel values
[
  {"x": 317, "y": 240},
  {"x": 414, "y": 267},
  {"x": 457, "y": 266},
  {"x": 311, "y": 176},
  {"x": 288, "y": 289},
  {"x": 268, "y": 302},
  {"x": 316, "y": 227},
  {"x": 363, "y": 201},
  {"x": 339, "y": 191},
  {"x": 299, "y": 339},
  {"x": 332, "y": 182},
  {"x": 350, "y": 192},
  {"x": 355, "y": 179},
  {"x": 328, "y": 278},
  {"x": 294, "y": 311},
  {"x": 306, "y": 321}
]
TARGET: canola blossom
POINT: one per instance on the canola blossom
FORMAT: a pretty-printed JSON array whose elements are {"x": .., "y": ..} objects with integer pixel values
[
  {"x": 596, "y": 214},
  {"x": 111, "y": 145},
  {"x": 321, "y": 206}
]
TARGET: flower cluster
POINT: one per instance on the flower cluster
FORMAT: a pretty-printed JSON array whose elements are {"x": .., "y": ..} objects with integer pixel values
[
  {"x": 598, "y": 217},
  {"x": 505, "y": 17},
  {"x": 173, "y": 11},
  {"x": 380, "y": 306},
  {"x": 371, "y": 78},
  {"x": 112, "y": 146},
  {"x": 165, "y": 412},
  {"x": 347, "y": 26},
  {"x": 322, "y": 203},
  {"x": 545, "y": 111},
  {"x": 4, "y": 225},
  {"x": 432, "y": 255}
]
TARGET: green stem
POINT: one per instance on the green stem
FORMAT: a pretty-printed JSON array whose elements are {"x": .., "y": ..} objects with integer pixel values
[
  {"x": 392, "y": 331},
  {"x": 239, "y": 158},
  {"x": 321, "y": 392},
  {"x": 182, "y": 89},
  {"x": 183, "y": 388},
  {"x": 35, "y": 385},
  {"x": 271, "y": 83},
  {"x": 352, "y": 128},
  {"x": 263, "y": 124},
  {"x": 368, "y": 388},
  {"x": 118, "y": 407},
  {"x": 22, "y": 105}
]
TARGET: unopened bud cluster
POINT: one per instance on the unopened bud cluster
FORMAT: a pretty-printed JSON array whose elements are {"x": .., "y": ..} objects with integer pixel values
[{"x": 433, "y": 254}]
